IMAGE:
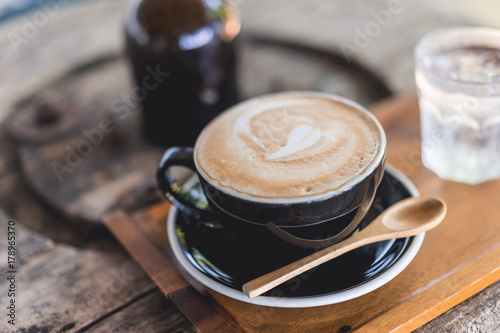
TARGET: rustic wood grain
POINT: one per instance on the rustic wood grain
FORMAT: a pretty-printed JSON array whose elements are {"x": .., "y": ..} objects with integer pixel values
[
  {"x": 152, "y": 223},
  {"x": 17, "y": 199},
  {"x": 152, "y": 313},
  {"x": 70, "y": 286},
  {"x": 26, "y": 242},
  {"x": 85, "y": 172},
  {"x": 203, "y": 317},
  {"x": 151, "y": 260},
  {"x": 68, "y": 280},
  {"x": 479, "y": 313}
]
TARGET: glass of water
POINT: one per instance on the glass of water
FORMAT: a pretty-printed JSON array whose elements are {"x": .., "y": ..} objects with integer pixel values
[{"x": 458, "y": 82}]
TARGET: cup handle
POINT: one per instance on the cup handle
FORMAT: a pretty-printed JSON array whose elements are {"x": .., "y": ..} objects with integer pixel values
[
  {"x": 312, "y": 243},
  {"x": 177, "y": 156}
]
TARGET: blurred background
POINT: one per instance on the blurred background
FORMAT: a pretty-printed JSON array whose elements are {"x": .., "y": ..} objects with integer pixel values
[
  {"x": 38, "y": 37},
  {"x": 36, "y": 31}
]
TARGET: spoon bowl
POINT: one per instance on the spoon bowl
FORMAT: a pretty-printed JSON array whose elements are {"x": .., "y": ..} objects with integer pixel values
[
  {"x": 413, "y": 213},
  {"x": 405, "y": 218}
]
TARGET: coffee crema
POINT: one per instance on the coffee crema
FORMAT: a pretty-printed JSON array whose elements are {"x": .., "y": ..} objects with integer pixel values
[{"x": 289, "y": 147}]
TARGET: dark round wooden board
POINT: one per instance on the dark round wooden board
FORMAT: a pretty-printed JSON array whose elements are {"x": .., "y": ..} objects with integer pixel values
[{"x": 93, "y": 158}]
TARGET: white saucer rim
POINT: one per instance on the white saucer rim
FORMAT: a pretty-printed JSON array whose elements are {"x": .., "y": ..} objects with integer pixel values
[{"x": 301, "y": 302}]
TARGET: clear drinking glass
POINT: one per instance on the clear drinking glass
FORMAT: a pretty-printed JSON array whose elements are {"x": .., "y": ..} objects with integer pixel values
[{"x": 458, "y": 82}]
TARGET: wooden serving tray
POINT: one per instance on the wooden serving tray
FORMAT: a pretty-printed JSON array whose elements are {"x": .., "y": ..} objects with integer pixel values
[{"x": 457, "y": 259}]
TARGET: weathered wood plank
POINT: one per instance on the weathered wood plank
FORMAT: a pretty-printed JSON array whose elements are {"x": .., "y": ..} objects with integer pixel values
[
  {"x": 29, "y": 214},
  {"x": 83, "y": 171},
  {"x": 147, "y": 255},
  {"x": 479, "y": 313},
  {"x": 26, "y": 243},
  {"x": 198, "y": 311},
  {"x": 68, "y": 287},
  {"x": 152, "y": 313},
  {"x": 18, "y": 201}
]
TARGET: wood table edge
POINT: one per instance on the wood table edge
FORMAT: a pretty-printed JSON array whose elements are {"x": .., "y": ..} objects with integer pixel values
[{"x": 200, "y": 314}]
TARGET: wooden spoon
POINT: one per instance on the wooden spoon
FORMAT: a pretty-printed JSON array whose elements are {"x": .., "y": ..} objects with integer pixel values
[{"x": 408, "y": 217}]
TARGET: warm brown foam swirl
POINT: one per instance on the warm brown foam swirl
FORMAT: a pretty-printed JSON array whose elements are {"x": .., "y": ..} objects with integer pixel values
[{"x": 288, "y": 146}]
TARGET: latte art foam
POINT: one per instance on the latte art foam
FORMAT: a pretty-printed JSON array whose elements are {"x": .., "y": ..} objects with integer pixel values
[{"x": 288, "y": 146}]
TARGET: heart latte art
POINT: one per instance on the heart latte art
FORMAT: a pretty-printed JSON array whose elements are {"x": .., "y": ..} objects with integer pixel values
[{"x": 288, "y": 146}]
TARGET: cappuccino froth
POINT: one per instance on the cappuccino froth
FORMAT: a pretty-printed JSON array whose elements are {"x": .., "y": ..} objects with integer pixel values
[{"x": 289, "y": 147}]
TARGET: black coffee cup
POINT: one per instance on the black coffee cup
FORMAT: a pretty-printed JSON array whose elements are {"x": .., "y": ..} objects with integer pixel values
[{"x": 317, "y": 222}]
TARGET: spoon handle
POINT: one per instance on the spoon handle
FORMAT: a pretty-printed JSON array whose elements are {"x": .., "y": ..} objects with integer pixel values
[
  {"x": 266, "y": 282},
  {"x": 405, "y": 218}
]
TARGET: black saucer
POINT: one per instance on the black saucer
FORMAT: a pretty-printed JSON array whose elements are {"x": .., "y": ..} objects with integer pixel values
[{"x": 232, "y": 261}]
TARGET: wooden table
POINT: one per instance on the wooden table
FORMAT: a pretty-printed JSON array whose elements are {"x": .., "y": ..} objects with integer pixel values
[{"x": 76, "y": 278}]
